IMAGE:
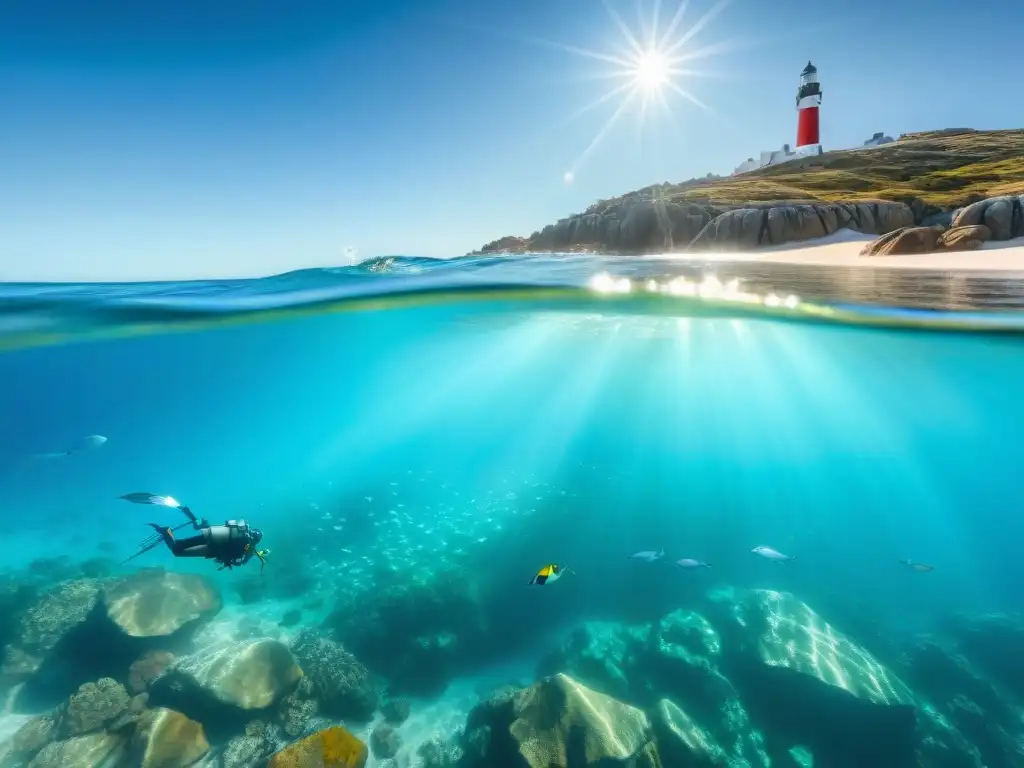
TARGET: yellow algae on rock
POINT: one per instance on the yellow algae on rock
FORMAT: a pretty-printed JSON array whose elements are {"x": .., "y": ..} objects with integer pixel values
[
  {"x": 330, "y": 748},
  {"x": 168, "y": 739}
]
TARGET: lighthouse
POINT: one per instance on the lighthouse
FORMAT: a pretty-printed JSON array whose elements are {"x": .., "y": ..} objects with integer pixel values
[{"x": 808, "y": 100}]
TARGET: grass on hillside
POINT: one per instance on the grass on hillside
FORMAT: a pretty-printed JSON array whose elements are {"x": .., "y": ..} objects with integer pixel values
[{"x": 943, "y": 171}]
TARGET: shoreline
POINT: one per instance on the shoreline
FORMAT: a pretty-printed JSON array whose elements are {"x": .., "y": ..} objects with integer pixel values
[{"x": 843, "y": 250}]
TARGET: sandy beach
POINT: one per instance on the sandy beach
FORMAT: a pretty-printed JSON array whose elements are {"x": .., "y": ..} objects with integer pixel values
[{"x": 843, "y": 250}]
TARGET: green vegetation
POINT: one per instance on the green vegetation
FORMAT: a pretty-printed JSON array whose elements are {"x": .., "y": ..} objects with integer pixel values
[{"x": 944, "y": 170}]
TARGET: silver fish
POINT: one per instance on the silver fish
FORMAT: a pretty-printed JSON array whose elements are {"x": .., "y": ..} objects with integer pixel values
[
  {"x": 771, "y": 554},
  {"x": 648, "y": 555},
  {"x": 687, "y": 562},
  {"x": 88, "y": 443}
]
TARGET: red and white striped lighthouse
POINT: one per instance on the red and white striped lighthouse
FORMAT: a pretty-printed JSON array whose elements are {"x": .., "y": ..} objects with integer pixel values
[{"x": 808, "y": 100}]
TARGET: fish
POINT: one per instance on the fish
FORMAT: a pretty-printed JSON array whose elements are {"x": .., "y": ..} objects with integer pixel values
[
  {"x": 648, "y": 555},
  {"x": 87, "y": 443},
  {"x": 687, "y": 562},
  {"x": 549, "y": 574},
  {"x": 771, "y": 554},
  {"x": 920, "y": 567}
]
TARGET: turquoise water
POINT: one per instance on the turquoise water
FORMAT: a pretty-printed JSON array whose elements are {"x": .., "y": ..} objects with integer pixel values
[{"x": 499, "y": 423}]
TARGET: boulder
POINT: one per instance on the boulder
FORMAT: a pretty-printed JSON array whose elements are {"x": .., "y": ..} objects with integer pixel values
[
  {"x": 775, "y": 224},
  {"x": 94, "y": 750},
  {"x": 157, "y": 603},
  {"x": 168, "y": 739},
  {"x": 908, "y": 240},
  {"x": 330, "y": 748},
  {"x": 26, "y": 742},
  {"x": 557, "y": 723},
  {"x": 57, "y": 613},
  {"x": 384, "y": 742},
  {"x": 298, "y": 708},
  {"x": 396, "y": 711},
  {"x": 1003, "y": 215},
  {"x": 147, "y": 668},
  {"x": 219, "y": 686},
  {"x": 339, "y": 681},
  {"x": 93, "y": 707},
  {"x": 967, "y": 238}
]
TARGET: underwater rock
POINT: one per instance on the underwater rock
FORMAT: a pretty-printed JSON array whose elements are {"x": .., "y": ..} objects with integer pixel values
[
  {"x": 253, "y": 748},
  {"x": 416, "y": 634},
  {"x": 557, "y": 723},
  {"x": 218, "y": 685},
  {"x": 147, "y": 668},
  {"x": 683, "y": 741},
  {"x": 26, "y": 742},
  {"x": 396, "y": 711},
  {"x": 50, "y": 619},
  {"x": 978, "y": 706},
  {"x": 298, "y": 708},
  {"x": 808, "y": 684},
  {"x": 341, "y": 683},
  {"x": 330, "y": 748},
  {"x": 168, "y": 739},
  {"x": 158, "y": 603},
  {"x": 94, "y": 706},
  {"x": 384, "y": 741},
  {"x": 94, "y": 750},
  {"x": 291, "y": 618},
  {"x": 439, "y": 753}
]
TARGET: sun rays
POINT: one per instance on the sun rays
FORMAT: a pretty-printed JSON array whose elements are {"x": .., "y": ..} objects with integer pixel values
[{"x": 651, "y": 67}]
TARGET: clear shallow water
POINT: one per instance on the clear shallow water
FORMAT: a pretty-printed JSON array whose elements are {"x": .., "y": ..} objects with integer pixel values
[{"x": 490, "y": 419}]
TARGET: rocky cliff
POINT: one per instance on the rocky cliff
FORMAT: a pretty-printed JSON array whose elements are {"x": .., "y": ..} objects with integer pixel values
[{"x": 920, "y": 179}]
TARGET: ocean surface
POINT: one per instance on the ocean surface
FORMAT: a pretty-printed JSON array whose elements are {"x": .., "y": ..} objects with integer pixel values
[{"x": 441, "y": 430}]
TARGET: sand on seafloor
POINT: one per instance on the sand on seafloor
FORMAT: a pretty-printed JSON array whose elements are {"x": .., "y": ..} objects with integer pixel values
[{"x": 843, "y": 250}]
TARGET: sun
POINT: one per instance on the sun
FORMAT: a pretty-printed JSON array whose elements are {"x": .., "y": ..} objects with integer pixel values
[
  {"x": 650, "y": 66},
  {"x": 651, "y": 70}
]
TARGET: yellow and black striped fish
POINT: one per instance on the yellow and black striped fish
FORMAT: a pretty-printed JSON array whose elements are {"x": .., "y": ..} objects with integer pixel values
[{"x": 547, "y": 574}]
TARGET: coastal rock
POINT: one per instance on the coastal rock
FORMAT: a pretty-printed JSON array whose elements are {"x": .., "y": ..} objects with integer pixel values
[
  {"x": 94, "y": 750},
  {"x": 157, "y": 603},
  {"x": 242, "y": 676},
  {"x": 908, "y": 240},
  {"x": 775, "y": 224},
  {"x": 339, "y": 681},
  {"x": 1003, "y": 215},
  {"x": 94, "y": 706},
  {"x": 557, "y": 723},
  {"x": 967, "y": 238},
  {"x": 168, "y": 739},
  {"x": 632, "y": 224},
  {"x": 330, "y": 748}
]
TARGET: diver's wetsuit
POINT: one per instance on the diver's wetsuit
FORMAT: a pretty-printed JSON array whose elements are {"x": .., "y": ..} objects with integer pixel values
[{"x": 231, "y": 544}]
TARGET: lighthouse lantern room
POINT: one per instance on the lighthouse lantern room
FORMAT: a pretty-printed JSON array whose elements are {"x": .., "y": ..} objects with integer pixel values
[{"x": 808, "y": 100}]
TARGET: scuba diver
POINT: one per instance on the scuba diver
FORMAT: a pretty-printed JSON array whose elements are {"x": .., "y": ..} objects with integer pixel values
[{"x": 231, "y": 544}]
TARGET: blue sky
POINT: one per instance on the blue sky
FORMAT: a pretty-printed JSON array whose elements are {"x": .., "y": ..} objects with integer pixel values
[{"x": 246, "y": 137}]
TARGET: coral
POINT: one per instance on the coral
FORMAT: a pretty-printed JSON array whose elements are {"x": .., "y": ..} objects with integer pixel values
[
  {"x": 89, "y": 751},
  {"x": 341, "y": 683},
  {"x": 396, "y": 711},
  {"x": 94, "y": 706}
]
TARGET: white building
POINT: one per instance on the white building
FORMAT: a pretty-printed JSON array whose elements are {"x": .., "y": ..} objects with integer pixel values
[{"x": 774, "y": 157}]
